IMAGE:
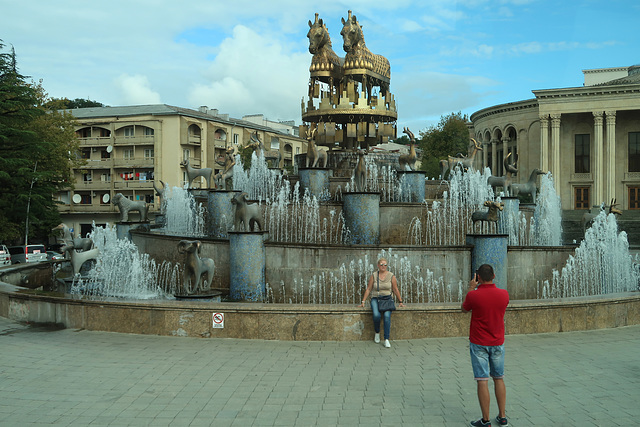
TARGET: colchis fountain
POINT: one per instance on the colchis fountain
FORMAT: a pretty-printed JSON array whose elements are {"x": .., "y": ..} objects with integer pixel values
[{"x": 288, "y": 257}]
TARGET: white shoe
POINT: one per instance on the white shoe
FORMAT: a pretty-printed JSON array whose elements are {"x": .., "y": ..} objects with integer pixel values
[
  {"x": 376, "y": 338},
  {"x": 387, "y": 344}
]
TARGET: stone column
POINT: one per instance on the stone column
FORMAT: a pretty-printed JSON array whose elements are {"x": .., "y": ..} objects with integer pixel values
[
  {"x": 505, "y": 153},
  {"x": 555, "y": 150},
  {"x": 598, "y": 161},
  {"x": 485, "y": 154},
  {"x": 494, "y": 154},
  {"x": 611, "y": 155},
  {"x": 544, "y": 142},
  {"x": 490, "y": 249}
]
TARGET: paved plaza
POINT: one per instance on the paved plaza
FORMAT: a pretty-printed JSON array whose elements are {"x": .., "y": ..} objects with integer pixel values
[{"x": 52, "y": 376}]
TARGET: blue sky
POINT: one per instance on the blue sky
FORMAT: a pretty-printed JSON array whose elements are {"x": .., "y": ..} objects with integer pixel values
[{"x": 249, "y": 57}]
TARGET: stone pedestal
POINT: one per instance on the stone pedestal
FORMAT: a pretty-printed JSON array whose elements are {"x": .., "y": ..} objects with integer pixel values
[
  {"x": 361, "y": 212},
  {"x": 412, "y": 185},
  {"x": 247, "y": 262},
  {"x": 123, "y": 229},
  {"x": 220, "y": 213},
  {"x": 316, "y": 181},
  {"x": 490, "y": 249}
]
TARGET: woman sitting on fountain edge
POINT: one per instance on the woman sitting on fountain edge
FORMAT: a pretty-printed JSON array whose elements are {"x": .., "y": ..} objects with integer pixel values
[{"x": 388, "y": 284}]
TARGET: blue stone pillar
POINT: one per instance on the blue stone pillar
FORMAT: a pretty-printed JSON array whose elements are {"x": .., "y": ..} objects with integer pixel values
[
  {"x": 490, "y": 249},
  {"x": 220, "y": 213},
  {"x": 316, "y": 181},
  {"x": 247, "y": 261},
  {"x": 508, "y": 219},
  {"x": 361, "y": 211},
  {"x": 412, "y": 185}
]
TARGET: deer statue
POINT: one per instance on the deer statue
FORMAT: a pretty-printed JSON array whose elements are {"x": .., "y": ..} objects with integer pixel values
[
  {"x": 360, "y": 173},
  {"x": 229, "y": 162},
  {"x": 489, "y": 216},
  {"x": 505, "y": 180},
  {"x": 408, "y": 161},
  {"x": 196, "y": 173},
  {"x": 528, "y": 187},
  {"x": 591, "y": 214},
  {"x": 465, "y": 161},
  {"x": 314, "y": 154}
]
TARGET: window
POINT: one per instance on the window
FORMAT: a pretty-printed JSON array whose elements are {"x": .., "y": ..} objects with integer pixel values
[
  {"x": 86, "y": 177},
  {"x": 128, "y": 132},
  {"x": 105, "y": 177},
  {"x": 85, "y": 154},
  {"x": 634, "y": 197},
  {"x": 275, "y": 143},
  {"x": 582, "y": 198},
  {"x": 235, "y": 138},
  {"x": 583, "y": 149},
  {"x": 86, "y": 199},
  {"x": 186, "y": 154},
  {"x": 148, "y": 153},
  {"x": 105, "y": 154},
  {"x": 634, "y": 151},
  {"x": 499, "y": 171},
  {"x": 490, "y": 160},
  {"x": 148, "y": 131},
  {"x": 84, "y": 133},
  {"x": 127, "y": 154},
  {"x": 297, "y": 150},
  {"x": 104, "y": 133}
]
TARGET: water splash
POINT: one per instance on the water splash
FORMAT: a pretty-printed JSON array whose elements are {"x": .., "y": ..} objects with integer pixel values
[
  {"x": 547, "y": 218},
  {"x": 183, "y": 215},
  {"x": 121, "y": 271}
]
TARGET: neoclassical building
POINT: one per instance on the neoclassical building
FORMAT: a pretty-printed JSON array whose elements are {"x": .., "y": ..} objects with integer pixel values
[
  {"x": 126, "y": 149},
  {"x": 588, "y": 137}
]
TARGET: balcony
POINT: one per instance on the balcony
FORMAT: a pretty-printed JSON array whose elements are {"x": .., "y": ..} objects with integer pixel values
[
  {"x": 194, "y": 139},
  {"x": 96, "y": 142},
  {"x": 133, "y": 184},
  {"x": 98, "y": 164},
  {"x": 135, "y": 140},
  {"x": 631, "y": 176},
  {"x": 92, "y": 185},
  {"x": 133, "y": 163}
]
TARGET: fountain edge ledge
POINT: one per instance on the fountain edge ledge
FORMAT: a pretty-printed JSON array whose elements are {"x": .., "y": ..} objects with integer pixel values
[{"x": 309, "y": 322}]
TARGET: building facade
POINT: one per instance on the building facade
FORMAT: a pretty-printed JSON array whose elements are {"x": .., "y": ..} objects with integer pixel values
[
  {"x": 127, "y": 149},
  {"x": 588, "y": 137}
]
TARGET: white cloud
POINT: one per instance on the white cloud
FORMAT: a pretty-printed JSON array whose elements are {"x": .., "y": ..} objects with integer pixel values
[
  {"x": 136, "y": 90},
  {"x": 252, "y": 73}
]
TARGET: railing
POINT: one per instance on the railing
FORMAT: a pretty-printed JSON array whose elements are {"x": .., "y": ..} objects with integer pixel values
[
  {"x": 133, "y": 184},
  {"x": 632, "y": 176},
  {"x": 133, "y": 163},
  {"x": 98, "y": 164},
  {"x": 93, "y": 141},
  {"x": 135, "y": 140},
  {"x": 92, "y": 185}
]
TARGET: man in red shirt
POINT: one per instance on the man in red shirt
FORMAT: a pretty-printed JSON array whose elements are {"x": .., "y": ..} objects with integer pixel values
[{"x": 487, "y": 304}]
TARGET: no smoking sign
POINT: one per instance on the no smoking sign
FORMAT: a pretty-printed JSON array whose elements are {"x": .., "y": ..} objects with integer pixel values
[{"x": 218, "y": 320}]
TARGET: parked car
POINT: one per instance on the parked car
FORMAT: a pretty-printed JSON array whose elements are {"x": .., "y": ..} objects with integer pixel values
[
  {"x": 53, "y": 255},
  {"x": 28, "y": 253},
  {"x": 5, "y": 256}
]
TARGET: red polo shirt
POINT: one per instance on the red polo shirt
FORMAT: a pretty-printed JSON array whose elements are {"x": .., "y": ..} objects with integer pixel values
[{"x": 487, "y": 305}]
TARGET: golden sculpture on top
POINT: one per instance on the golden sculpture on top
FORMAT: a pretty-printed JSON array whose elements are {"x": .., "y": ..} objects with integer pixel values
[{"x": 350, "y": 105}]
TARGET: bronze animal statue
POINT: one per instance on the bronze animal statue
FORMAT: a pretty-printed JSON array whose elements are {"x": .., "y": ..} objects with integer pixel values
[
  {"x": 465, "y": 162},
  {"x": 229, "y": 162},
  {"x": 408, "y": 161},
  {"x": 505, "y": 180},
  {"x": 195, "y": 268},
  {"x": 490, "y": 215},
  {"x": 161, "y": 190},
  {"x": 79, "y": 258},
  {"x": 314, "y": 154},
  {"x": 257, "y": 145},
  {"x": 360, "y": 173},
  {"x": 528, "y": 187},
  {"x": 193, "y": 173},
  {"x": 70, "y": 243},
  {"x": 326, "y": 65},
  {"x": 588, "y": 217},
  {"x": 125, "y": 206},
  {"x": 247, "y": 216},
  {"x": 359, "y": 57}
]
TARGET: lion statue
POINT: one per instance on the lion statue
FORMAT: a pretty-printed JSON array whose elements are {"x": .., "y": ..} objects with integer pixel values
[{"x": 125, "y": 206}]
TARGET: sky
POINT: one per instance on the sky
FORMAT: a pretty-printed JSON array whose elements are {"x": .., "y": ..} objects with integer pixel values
[{"x": 251, "y": 57}]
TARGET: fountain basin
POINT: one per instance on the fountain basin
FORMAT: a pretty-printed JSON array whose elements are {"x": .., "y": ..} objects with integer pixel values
[{"x": 308, "y": 322}]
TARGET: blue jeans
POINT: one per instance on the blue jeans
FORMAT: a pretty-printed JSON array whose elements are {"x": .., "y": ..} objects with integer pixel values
[
  {"x": 487, "y": 360},
  {"x": 377, "y": 316}
]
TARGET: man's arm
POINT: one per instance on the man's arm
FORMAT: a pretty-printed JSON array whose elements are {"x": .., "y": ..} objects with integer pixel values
[{"x": 472, "y": 286}]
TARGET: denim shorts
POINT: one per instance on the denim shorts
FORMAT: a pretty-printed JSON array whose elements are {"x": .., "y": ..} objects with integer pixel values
[{"x": 487, "y": 361}]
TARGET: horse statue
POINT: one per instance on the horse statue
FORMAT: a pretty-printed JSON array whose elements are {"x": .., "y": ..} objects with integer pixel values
[
  {"x": 528, "y": 187},
  {"x": 326, "y": 65},
  {"x": 360, "y": 61}
]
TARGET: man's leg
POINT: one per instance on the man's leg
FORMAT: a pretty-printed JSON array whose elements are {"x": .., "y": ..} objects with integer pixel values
[
  {"x": 484, "y": 398},
  {"x": 501, "y": 395}
]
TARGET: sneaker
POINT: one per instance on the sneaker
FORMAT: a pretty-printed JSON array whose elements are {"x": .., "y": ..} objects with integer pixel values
[
  {"x": 376, "y": 339},
  {"x": 480, "y": 423},
  {"x": 502, "y": 421},
  {"x": 387, "y": 344}
]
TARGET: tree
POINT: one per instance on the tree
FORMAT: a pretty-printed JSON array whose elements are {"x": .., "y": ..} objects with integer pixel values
[
  {"x": 448, "y": 138},
  {"x": 70, "y": 104},
  {"x": 37, "y": 151},
  {"x": 403, "y": 140}
]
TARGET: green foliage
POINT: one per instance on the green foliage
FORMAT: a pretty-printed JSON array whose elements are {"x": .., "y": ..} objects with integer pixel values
[
  {"x": 245, "y": 156},
  {"x": 404, "y": 140},
  {"x": 448, "y": 138},
  {"x": 35, "y": 142},
  {"x": 69, "y": 104}
]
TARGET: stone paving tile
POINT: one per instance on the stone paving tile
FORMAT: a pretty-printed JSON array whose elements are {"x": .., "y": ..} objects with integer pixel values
[{"x": 80, "y": 378}]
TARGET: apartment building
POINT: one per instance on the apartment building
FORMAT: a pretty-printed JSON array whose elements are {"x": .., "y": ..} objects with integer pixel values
[{"x": 129, "y": 148}]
